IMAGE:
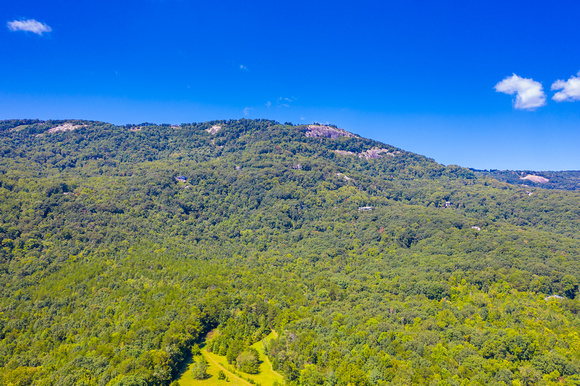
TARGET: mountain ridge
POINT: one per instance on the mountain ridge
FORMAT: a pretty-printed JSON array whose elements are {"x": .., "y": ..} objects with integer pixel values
[
  {"x": 123, "y": 245},
  {"x": 566, "y": 179}
]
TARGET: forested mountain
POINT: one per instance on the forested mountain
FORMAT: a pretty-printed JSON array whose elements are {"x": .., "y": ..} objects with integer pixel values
[
  {"x": 566, "y": 180},
  {"x": 122, "y": 246}
]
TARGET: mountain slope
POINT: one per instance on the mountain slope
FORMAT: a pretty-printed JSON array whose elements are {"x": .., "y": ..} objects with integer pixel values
[
  {"x": 566, "y": 180},
  {"x": 122, "y": 246}
]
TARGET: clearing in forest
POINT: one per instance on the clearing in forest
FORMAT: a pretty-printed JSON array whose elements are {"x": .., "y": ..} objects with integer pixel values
[{"x": 266, "y": 377}]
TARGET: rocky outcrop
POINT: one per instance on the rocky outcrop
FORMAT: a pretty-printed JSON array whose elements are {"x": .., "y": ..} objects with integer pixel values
[
  {"x": 533, "y": 178},
  {"x": 64, "y": 127},
  {"x": 373, "y": 153},
  {"x": 316, "y": 131},
  {"x": 214, "y": 129}
]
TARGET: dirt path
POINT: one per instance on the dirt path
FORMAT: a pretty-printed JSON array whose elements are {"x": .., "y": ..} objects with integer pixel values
[
  {"x": 227, "y": 371},
  {"x": 274, "y": 371},
  {"x": 268, "y": 360}
]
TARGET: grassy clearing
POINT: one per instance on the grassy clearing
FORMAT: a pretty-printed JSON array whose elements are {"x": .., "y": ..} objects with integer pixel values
[
  {"x": 213, "y": 369},
  {"x": 266, "y": 377}
]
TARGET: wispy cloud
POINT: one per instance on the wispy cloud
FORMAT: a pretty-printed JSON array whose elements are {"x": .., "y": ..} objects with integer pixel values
[
  {"x": 29, "y": 25},
  {"x": 529, "y": 93},
  {"x": 243, "y": 68},
  {"x": 570, "y": 89},
  {"x": 268, "y": 104},
  {"x": 284, "y": 101},
  {"x": 247, "y": 111}
]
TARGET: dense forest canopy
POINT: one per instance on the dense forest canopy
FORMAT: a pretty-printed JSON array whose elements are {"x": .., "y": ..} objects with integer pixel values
[{"x": 122, "y": 246}]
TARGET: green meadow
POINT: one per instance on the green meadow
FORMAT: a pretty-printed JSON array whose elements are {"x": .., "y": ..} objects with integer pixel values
[{"x": 266, "y": 377}]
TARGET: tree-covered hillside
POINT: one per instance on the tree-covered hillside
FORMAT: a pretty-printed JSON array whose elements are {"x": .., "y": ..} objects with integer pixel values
[
  {"x": 565, "y": 180},
  {"x": 122, "y": 246}
]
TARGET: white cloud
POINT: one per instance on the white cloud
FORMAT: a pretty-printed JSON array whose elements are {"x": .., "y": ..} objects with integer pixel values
[
  {"x": 247, "y": 111},
  {"x": 529, "y": 93},
  {"x": 268, "y": 104},
  {"x": 29, "y": 25},
  {"x": 244, "y": 68},
  {"x": 284, "y": 101},
  {"x": 570, "y": 89}
]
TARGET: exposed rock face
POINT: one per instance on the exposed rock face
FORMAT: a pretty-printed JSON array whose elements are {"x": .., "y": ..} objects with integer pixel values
[
  {"x": 64, "y": 127},
  {"x": 214, "y": 129},
  {"x": 373, "y": 153},
  {"x": 533, "y": 178},
  {"x": 345, "y": 152},
  {"x": 316, "y": 131}
]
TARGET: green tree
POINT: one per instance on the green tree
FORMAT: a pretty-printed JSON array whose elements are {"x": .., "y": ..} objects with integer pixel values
[
  {"x": 199, "y": 370},
  {"x": 570, "y": 286},
  {"x": 249, "y": 361}
]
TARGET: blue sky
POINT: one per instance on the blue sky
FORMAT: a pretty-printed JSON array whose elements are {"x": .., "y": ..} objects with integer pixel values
[{"x": 425, "y": 76}]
